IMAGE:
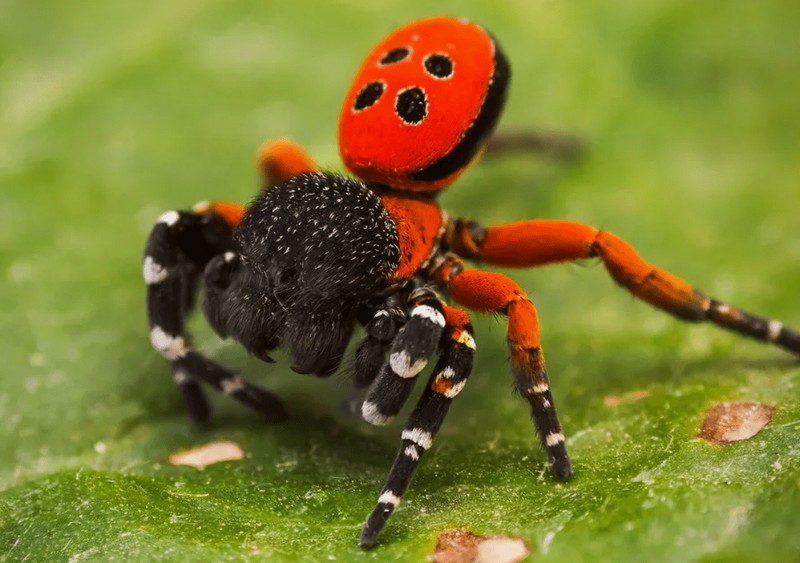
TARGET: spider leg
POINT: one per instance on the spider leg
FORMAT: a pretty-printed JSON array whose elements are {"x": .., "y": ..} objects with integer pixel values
[
  {"x": 280, "y": 160},
  {"x": 218, "y": 277},
  {"x": 447, "y": 381},
  {"x": 179, "y": 247},
  {"x": 561, "y": 146},
  {"x": 381, "y": 330},
  {"x": 226, "y": 381},
  {"x": 409, "y": 354},
  {"x": 171, "y": 278},
  {"x": 540, "y": 242},
  {"x": 489, "y": 292},
  {"x": 370, "y": 355}
]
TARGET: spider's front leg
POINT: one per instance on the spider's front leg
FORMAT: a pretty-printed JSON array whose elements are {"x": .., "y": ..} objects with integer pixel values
[
  {"x": 448, "y": 379},
  {"x": 179, "y": 248},
  {"x": 410, "y": 351},
  {"x": 541, "y": 242},
  {"x": 369, "y": 357},
  {"x": 489, "y": 292}
]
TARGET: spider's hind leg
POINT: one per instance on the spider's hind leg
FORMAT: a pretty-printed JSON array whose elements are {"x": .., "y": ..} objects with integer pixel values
[{"x": 559, "y": 146}]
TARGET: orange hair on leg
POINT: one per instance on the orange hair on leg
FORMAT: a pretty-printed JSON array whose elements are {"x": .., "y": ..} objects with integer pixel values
[
  {"x": 491, "y": 292},
  {"x": 280, "y": 160},
  {"x": 541, "y": 242}
]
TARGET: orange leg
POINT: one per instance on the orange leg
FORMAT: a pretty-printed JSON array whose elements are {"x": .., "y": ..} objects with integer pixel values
[
  {"x": 279, "y": 160},
  {"x": 231, "y": 213},
  {"x": 540, "y": 242},
  {"x": 489, "y": 292}
]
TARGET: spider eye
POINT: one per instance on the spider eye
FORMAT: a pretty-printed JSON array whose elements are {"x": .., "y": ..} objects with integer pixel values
[
  {"x": 368, "y": 95},
  {"x": 411, "y": 105},
  {"x": 439, "y": 66},
  {"x": 394, "y": 56}
]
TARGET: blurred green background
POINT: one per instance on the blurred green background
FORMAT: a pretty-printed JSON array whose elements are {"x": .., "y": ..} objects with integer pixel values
[{"x": 112, "y": 112}]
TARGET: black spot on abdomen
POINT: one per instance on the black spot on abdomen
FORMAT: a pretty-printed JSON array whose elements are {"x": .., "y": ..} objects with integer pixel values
[
  {"x": 411, "y": 105},
  {"x": 439, "y": 66},
  {"x": 368, "y": 96},
  {"x": 394, "y": 56}
]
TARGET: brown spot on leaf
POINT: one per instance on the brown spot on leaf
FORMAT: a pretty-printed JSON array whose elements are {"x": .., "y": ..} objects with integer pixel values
[
  {"x": 462, "y": 546},
  {"x": 203, "y": 456},
  {"x": 726, "y": 423},
  {"x": 613, "y": 401}
]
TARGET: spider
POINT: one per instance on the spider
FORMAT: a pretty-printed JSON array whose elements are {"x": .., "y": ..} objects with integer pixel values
[{"x": 316, "y": 254}]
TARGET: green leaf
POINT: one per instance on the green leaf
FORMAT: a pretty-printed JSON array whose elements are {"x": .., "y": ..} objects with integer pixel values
[{"x": 112, "y": 113}]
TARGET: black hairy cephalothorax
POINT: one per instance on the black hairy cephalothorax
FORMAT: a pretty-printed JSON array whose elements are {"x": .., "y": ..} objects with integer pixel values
[{"x": 310, "y": 251}]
